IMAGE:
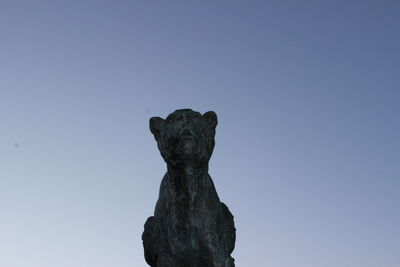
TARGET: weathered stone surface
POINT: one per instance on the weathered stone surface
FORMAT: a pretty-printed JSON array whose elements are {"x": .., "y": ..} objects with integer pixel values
[{"x": 191, "y": 227}]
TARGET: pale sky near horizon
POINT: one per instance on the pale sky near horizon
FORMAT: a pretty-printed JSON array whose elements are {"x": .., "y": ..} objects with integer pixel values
[{"x": 307, "y": 154}]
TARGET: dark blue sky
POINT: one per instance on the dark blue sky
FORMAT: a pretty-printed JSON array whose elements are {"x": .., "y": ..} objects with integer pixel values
[{"x": 307, "y": 147}]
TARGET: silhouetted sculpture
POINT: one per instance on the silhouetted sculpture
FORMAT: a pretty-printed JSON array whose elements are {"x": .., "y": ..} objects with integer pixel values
[{"x": 191, "y": 227}]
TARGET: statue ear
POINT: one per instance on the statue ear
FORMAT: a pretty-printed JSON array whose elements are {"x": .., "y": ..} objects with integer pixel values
[
  {"x": 211, "y": 118},
  {"x": 156, "y": 124}
]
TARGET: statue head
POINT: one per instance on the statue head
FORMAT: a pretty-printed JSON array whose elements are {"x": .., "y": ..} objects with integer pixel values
[{"x": 185, "y": 136}]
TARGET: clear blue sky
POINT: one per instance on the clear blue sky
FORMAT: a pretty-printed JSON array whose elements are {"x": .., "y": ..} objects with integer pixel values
[{"x": 307, "y": 146}]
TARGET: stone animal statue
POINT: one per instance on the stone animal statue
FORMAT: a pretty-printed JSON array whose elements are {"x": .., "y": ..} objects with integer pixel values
[{"x": 191, "y": 227}]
